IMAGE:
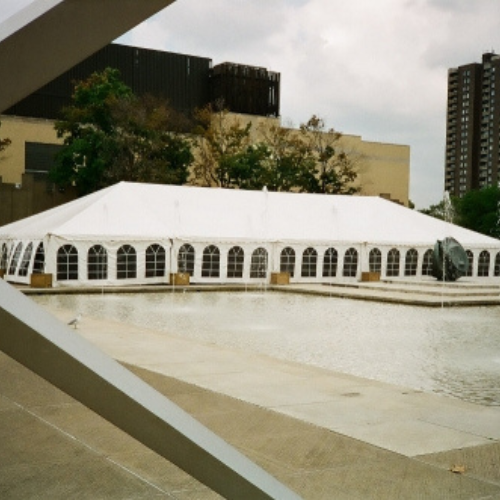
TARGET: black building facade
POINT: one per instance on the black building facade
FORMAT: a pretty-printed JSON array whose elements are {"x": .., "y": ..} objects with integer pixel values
[{"x": 187, "y": 82}]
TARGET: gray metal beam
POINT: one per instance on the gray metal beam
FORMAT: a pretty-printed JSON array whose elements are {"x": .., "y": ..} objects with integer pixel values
[
  {"x": 58, "y": 354},
  {"x": 49, "y": 37}
]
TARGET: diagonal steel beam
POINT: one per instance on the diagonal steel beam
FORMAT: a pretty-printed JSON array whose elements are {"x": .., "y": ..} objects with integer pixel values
[
  {"x": 58, "y": 354},
  {"x": 48, "y": 37}
]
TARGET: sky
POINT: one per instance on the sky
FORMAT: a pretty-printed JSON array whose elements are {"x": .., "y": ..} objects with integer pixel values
[{"x": 377, "y": 69}]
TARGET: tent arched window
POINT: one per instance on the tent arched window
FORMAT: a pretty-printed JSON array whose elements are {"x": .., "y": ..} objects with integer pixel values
[
  {"x": 39, "y": 261},
  {"x": 483, "y": 264},
  {"x": 330, "y": 261},
  {"x": 97, "y": 263},
  {"x": 497, "y": 264},
  {"x": 4, "y": 257},
  {"x": 235, "y": 261},
  {"x": 393, "y": 262},
  {"x": 67, "y": 263},
  {"x": 185, "y": 259},
  {"x": 375, "y": 260},
  {"x": 350, "y": 263},
  {"x": 411, "y": 262},
  {"x": 155, "y": 261},
  {"x": 287, "y": 261},
  {"x": 309, "y": 262},
  {"x": 126, "y": 262},
  {"x": 25, "y": 262},
  {"x": 15, "y": 258},
  {"x": 470, "y": 258},
  {"x": 258, "y": 264},
  {"x": 210, "y": 267},
  {"x": 427, "y": 263}
]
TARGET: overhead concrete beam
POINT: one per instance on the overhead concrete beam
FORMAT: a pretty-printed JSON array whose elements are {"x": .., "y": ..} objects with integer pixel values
[
  {"x": 49, "y": 37},
  {"x": 58, "y": 354}
]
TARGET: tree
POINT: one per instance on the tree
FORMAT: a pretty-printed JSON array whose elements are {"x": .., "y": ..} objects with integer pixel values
[
  {"x": 222, "y": 142},
  {"x": 110, "y": 135},
  {"x": 335, "y": 171},
  {"x": 443, "y": 210},
  {"x": 479, "y": 210}
]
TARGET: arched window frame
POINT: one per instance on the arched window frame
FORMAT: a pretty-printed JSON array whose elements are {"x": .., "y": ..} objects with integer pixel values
[
  {"x": 287, "y": 261},
  {"x": 309, "y": 263},
  {"x": 210, "y": 266},
  {"x": 15, "y": 259},
  {"x": 470, "y": 258},
  {"x": 375, "y": 260},
  {"x": 97, "y": 263},
  {"x": 350, "y": 269},
  {"x": 4, "y": 257},
  {"x": 156, "y": 259},
  {"x": 393, "y": 258},
  {"x": 411, "y": 262},
  {"x": 39, "y": 260},
  {"x": 330, "y": 263},
  {"x": 497, "y": 264},
  {"x": 483, "y": 264},
  {"x": 25, "y": 261},
  {"x": 67, "y": 263},
  {"x": 258, "y": 264},
  {"x": 126, "y": 262},
  {"x": 235, "y": 262},
  {"x": 186, "y": 259},
  {"x": 427, "y": 262}
]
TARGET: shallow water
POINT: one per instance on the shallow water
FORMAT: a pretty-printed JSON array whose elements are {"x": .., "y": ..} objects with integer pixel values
[{"x": 455, "y": 351}]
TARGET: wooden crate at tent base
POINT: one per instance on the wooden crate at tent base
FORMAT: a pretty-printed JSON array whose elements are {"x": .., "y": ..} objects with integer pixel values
[
  {"x": 179, "y": 279},
  {"x": 2, "y": 273},
  {"x": 41, "y": 280},
  {"x": 370, "y": 276},
  {"x": 280, "y": 278}
]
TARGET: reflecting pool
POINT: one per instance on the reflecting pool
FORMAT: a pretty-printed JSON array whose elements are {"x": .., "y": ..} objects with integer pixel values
[{"x": 454, "y": 351}]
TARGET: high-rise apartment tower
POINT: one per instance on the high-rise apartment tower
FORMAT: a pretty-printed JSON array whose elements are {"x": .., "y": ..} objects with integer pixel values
[{"x": 473, "y": 126}]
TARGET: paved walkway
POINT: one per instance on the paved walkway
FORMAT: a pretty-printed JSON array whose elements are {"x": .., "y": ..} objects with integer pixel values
[{"x": 326, "y": 435}]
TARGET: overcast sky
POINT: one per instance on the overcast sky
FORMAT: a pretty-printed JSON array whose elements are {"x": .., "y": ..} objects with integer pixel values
[{"x": 372, "y": 68}]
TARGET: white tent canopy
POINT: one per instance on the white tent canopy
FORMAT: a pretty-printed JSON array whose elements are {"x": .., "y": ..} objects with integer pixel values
[{"x": 176, "y": 218}]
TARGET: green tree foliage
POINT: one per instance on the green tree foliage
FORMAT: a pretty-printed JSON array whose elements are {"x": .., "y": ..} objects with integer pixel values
[
  {"x": 110, "y": 135},
  {"x": 283, "y": 159},
  {"x": 479, "y": 210},
  {"x": 443, "y": 211}
]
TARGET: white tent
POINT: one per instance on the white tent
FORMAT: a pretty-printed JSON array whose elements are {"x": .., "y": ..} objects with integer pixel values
[{"x": 140, "y": 233}]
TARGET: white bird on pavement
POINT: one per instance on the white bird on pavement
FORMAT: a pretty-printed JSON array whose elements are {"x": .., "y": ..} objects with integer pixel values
[{"x": 74, "y": 322}]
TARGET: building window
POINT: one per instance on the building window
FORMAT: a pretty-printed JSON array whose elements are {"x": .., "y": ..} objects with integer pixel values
[
  {"x": 287, "y": 261},
  {"x": 427, "y": 263},
  {"x": 25, "y": 262},
  {"x": 210, "y": 267},
  {"x": 497, "y": 264},
  {"x": 393, "y": 262},
  {"x": 258, "y": 264},
  {"x": 235, "y": 262},
  {"x": 15, "y": 259},
  {"x": 330, "y": 261},
  {"x": 470, "y": 258},
  {"x": 67, "y": 263},
  {"x": 4, "y": 257},
  {"x": 39, "y": 157},
  {"x": 185, "y": 259},
  {"x": 411, "y": 262},
  {"x": 126, "y": 263},
  {"x": 155, "y": 261},
  {"x": 309, "y": 262},
  {"x": 375, "y": 260},
  {"x": 97, "y": 263},
  {"x": 483, "y": 264},
  {"x": 350, "y": 263}
]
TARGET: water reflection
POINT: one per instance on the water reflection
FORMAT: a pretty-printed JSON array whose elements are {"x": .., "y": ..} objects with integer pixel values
[{"x": 451, "y": 351}]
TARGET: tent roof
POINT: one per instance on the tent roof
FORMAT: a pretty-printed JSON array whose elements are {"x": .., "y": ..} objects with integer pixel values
[{"x": 129, "y": 211}]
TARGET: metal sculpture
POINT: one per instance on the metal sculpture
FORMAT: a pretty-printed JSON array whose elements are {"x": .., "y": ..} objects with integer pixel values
[{"x": 449, "y": 260}]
